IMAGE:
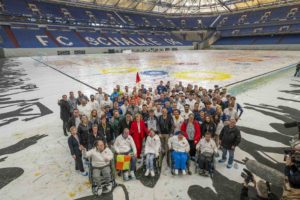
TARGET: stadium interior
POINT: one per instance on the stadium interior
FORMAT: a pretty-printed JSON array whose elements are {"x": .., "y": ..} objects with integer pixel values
[
  {"x": 217, "y": 54},
  {"x": 115, "y": 25}
]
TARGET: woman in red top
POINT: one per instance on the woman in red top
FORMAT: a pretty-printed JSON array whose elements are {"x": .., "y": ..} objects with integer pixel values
[
  {"x": 192, "y": 132},
  {"x": 138, "y": 131}
]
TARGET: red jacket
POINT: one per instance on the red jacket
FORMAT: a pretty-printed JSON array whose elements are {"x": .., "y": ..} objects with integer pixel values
[
  {"x": 197, "y": 135},
  {"x": 134, "y": 130}
]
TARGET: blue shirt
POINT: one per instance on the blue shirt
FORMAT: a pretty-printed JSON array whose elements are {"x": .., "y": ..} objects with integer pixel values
[{"x": 161, "y": 89}]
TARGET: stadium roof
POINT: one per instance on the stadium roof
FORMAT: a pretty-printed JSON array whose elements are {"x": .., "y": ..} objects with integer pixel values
[{"x": 182, "y": 6}]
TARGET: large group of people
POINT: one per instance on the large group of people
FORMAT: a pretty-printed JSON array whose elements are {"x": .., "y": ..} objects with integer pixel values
[{"x": 181, "y": 122}]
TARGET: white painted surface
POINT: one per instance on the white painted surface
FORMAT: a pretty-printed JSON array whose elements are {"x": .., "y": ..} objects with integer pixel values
[{"x": 49, "y": 168}]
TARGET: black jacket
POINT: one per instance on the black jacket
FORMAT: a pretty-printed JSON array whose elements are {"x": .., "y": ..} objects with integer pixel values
[
  {"x": 123, "y": 124},
  {"x": 208, "y": 127},
  {"x": 83, "y": 133},
  {"x": 166, "y": 126},
  {"x": 71, "y": 122},
  {"x": 230, "y": 137},
  {"x": 92, "y": 139},
  {"x": 293, "y": 175},
  {"x": 64, "y": 110},
  {"x": 107, "y": 133},
  {"x": 74, "y": 146}
]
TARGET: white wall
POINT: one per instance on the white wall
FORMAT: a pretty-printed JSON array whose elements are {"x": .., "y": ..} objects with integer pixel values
[
  {"x": 258, "y": 47},
  {"x": 24, "y": 52}
]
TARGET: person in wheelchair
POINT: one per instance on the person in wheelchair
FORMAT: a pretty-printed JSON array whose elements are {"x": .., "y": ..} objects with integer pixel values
[
  {"x": 179, "y": 147},
  {"x": 152, "y": 148},
  {"x": 124, "y": 145},
  {"x": 206, "y": 149},
  {"x": 100, "y": 157}
]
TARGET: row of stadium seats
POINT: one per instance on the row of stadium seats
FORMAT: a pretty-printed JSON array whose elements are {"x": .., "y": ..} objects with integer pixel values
[
  {"x": 293, "y": 28},
  {"x": 59, "y": 13},
  {"x": 265, "y": 16},
  {"x": 34, "y": 37},
  {"x": 260, "y": 40},
  {"x": 49, "y": 10},
  {"x": 66, "y": 14}
]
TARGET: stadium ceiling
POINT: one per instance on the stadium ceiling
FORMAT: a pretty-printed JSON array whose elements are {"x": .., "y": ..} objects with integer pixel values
[{"x": 181, "y": 6}]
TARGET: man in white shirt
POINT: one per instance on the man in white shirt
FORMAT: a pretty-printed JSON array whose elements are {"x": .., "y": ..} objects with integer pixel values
[
  {"x": 101, "y": 157},
  {"x": 191, "y": 101},
  {"x": 106, "y": 102},
  {"x": 84, "y": 108},
  {"x": 124, "y": 107},
  {"x": 207, "y": 148},
  {"x": 99, "y": 95},
  {"x": 124, "y": 145},
  {"x": 94, "y": 105},
  {"x": 157, "y": 111},
  {"x": 185, "y": 114},
  {"x": 178, "y": 120}
]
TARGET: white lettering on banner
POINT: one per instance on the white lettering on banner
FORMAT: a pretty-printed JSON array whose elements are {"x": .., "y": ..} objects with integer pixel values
[
  {"x": 128, "y": 42},
  {"x": 172, "y": 42},
  {"x": 133, "y": 40},
  {"x": 145, "y": 42},
  {"x": 104, "y": 41},
  {"x": 153, "y": 41},
  {"x": 41, "y": 39},
  {"x": 116, "y": 41},
  {"x": 59, "y": 40},
  {"x": 92, "y": 41}
]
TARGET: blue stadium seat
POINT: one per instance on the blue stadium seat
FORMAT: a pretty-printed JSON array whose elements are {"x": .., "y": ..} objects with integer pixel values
[
  {"x": 290, "y": 39},
  {"x": 68, "y": 38},
  {"x": 4, "y": 40},
  {"x": 17, "y": 7},
  {"x": 29, "y": 38}
]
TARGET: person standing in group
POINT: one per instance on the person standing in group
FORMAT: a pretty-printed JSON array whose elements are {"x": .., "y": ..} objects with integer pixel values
[
  {"x": 75, "y": 119},
  {"x": 192, "y": 132},
  {"x": 125, "y": 122},
  {"x": 138, "y": 131},
  {"x": 208, "y": 126},
  {"x": 75, "y": 149},
  {"x": 178, "y": 120},
  {"x": 230, "y": 137},
  {"x": 152, "y": 121},
  {"x": 166, "y": 129},
  {"x": 106, "y": 131},
  {"x": 83, "y": 131},
  {"x": 72, "y": 101},
  {"x": 65, "y": 109}
]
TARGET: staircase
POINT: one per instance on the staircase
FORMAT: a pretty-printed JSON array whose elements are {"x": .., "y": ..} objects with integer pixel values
[{"x": 211, "y": 38}]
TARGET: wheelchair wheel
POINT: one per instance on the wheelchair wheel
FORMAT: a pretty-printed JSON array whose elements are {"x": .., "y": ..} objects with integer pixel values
[{"x": 97, "y": 190}]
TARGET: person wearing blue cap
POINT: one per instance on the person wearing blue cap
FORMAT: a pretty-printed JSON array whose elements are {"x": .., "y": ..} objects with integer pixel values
[{"x": 180, "y": 148}]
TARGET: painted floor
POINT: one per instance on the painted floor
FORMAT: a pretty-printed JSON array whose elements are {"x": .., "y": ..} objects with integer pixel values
[{"x": 34, "y": 157}]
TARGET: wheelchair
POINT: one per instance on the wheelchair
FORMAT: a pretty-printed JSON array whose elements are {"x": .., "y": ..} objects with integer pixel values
[
  {"x": 122, "y": 172},
  {"x": 171, "y": 161},
  {"x": 212, "y": 165},
  {"x": 157, "y": 162},
  {"x": 97, "y": 190}
]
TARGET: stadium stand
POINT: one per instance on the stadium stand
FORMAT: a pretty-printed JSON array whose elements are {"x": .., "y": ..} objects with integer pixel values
[{"x": 65, "y": 25}]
